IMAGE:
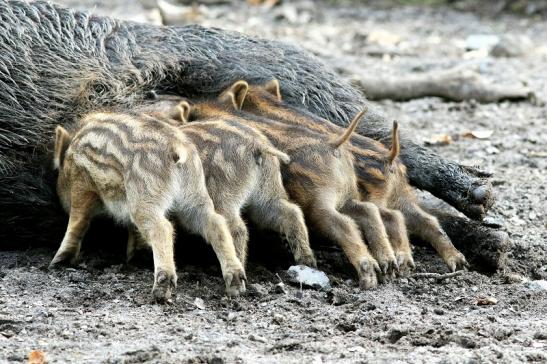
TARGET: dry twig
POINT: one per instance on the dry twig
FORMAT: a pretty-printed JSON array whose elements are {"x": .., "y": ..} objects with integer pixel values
[{"x": 437, "y": 276}]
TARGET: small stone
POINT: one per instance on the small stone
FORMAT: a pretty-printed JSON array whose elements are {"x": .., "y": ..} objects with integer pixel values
[
  {"x": 514, "y": 278},
  {"x": 349, "y": 282},
  {"x": 540, "y": 335},
  {"x": 466, "y": 342},
  {"x": 257, "y": 338},
  {"x": 346, "y": 326},
  {"x": 502, "y": 333},
  {"x": 338, "y": 299},
  {"x": 216, "y": 360},
  {"x": 486, "y": 301},
  {"x": 512, "y": 46},
  {"x": 280, "y": 288},
  {"x": 481, "y": 41},
  {"x": 395, "y": 334},
  {"x": 492, "y": 222},
  {"x": 438, "y": 311},
  {"x": 539, "y": 285},
  {"x": 7, "y": 333},
  {"x": 278, "y": 319},
  {"x": 65, "y": 334},
  {"x": 383, "y": 37},
  {"x": 308, "y": 277},
  {"x": 199, "y": 303},
  {"x": 492, "y": 150},
  {"x": 258, "y": 289}
]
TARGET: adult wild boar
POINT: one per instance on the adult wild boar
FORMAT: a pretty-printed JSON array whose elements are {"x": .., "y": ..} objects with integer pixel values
[{"x": 57, "y": 64}]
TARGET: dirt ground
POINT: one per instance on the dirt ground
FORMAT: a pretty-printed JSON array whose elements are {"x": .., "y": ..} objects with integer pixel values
[{"x": 101, "y": 311}]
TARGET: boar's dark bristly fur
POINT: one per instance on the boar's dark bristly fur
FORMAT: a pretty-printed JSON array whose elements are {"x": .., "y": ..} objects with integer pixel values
[{"x": 56, "y": 64}]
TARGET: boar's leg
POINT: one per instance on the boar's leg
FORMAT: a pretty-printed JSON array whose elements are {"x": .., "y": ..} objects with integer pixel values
[
  {"x": 464, "y": 188},
  {"x": 484, "y": 247},
  {"x": 81, "y": 211}
]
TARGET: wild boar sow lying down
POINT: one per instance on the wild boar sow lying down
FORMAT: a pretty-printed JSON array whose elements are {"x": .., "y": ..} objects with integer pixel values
[
  {"x": 66, "y": 63},
  {"x": 137, "y": 169}
]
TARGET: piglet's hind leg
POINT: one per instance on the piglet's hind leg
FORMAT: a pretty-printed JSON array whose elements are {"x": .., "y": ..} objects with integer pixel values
[{"x": 81, "y": 211}]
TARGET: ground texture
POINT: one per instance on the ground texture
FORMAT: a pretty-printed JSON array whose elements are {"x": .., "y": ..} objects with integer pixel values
[{"x": 101, "y": 311}]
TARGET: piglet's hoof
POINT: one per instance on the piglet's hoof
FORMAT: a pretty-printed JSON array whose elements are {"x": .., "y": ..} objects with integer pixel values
[
  {"x": 456, "y": 261},
  {"x": 367, "y": 274},
  {"x": 235, "y": 282},
  {"x": 388, "y": 266},
  {"x": 164, "y": 286},
  {"x": 405, "y": 263},
  {"x": 63, "y": 259},
  {"x": 307, "y": 260}
]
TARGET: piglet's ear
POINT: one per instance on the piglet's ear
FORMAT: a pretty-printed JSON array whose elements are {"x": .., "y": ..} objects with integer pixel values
[
  {"x": 62, "y": 140},
  {"x": 180, "y": 155},
  {"x": 184, "y": 109},
  {"x": 236, "y": 94},
  {"x": 274, "y": 88}
]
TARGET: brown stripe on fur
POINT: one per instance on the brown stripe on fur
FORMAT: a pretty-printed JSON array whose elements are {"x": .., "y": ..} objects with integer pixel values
[
  {"x": 376, "y": 173},
  {"x": 303, "y": 172},
  {"x": 110, "y": 128},
  {"x": 105, "y": 166},
  {"x": 126, "y": 146},
  {"x": 270, "y": 107},
  {"x": 364, "y": 154},
  {"x": 204, "y": 136},
  {"x": 107, "y": 158},
  {"x": 372, "y": 190}
]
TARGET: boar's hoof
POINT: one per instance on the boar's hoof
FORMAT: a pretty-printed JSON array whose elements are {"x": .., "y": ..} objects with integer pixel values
[
  {"x": 235, "y": 282},
  {"x": 479, "y": 200},
  {"x": 480, "y": 194},
  {"x": 367, "y": 274},
  {"x": 164, "y": 286}
]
